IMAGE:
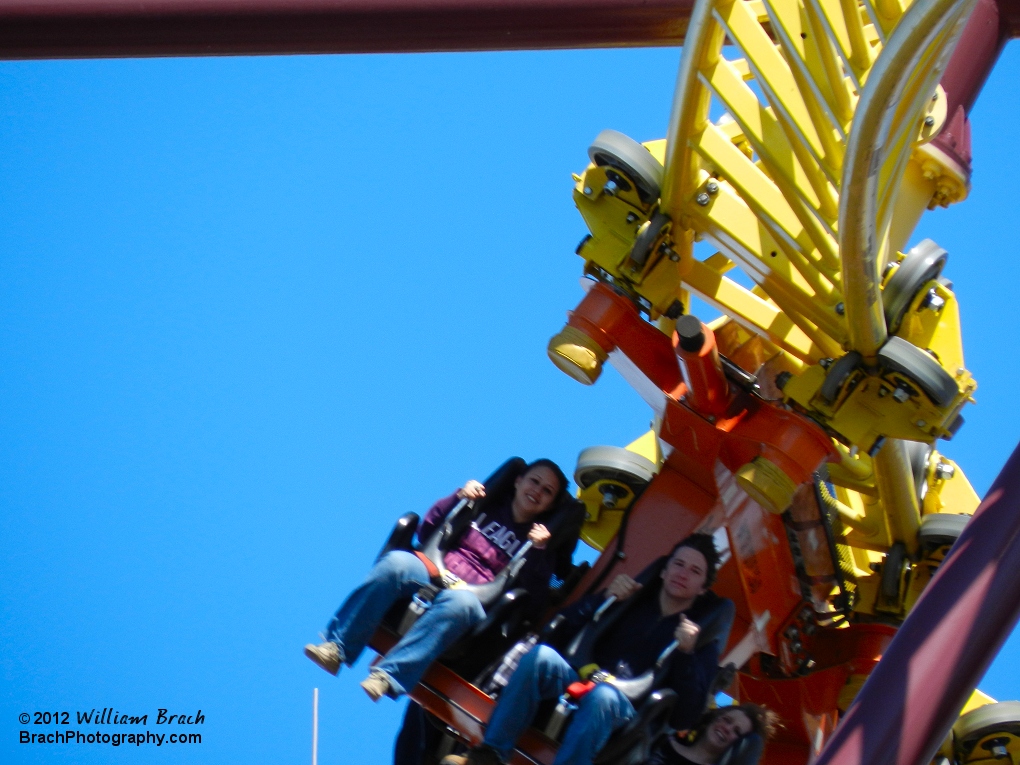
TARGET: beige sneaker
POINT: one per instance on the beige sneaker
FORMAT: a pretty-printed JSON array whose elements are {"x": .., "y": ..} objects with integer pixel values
[
  {"x": 376, "y": 685},
  {"x": 480, "y": 755},
  {"x": 326, "y": 655}
]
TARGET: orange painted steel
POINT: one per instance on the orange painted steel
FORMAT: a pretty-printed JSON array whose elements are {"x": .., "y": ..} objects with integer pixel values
[
  {"x": 707, "y": 389},
  {"x": 612, "y": 321}
]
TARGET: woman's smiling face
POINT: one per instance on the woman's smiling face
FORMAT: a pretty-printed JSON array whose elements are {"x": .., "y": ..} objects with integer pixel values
[
  {"x": 727, "y": 728},
  {"x": 534, "y": 493}
]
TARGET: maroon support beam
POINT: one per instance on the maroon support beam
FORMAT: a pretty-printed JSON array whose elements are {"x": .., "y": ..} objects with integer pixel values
[
  {"x": 916, "y": 692},
  {"x": 991, "y": 24},
  {"x": 113, "y": 28}
]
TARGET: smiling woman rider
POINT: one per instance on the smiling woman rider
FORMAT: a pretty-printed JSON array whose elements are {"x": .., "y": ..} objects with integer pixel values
[
  {"x": 716, "y": 732},
  {"x": 484, "y": 549}
]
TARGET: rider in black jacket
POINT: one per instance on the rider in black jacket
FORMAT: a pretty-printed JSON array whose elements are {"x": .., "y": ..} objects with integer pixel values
[{"x": 673, "y": 605}]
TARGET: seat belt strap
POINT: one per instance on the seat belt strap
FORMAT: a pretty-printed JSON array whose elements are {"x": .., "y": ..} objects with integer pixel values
[{"x": 431, "y": 567}]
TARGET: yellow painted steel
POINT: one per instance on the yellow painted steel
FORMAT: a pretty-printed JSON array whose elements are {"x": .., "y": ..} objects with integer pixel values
[
  {"x": 801, "y": 151},
  {"x": 601, "y": 523}
]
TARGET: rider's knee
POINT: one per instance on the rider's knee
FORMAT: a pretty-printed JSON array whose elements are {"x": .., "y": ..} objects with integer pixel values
[
  {"x": 462, "y": 606},
  {"x": 605, "y": 697},
  {"x": 395, "y": 565}
]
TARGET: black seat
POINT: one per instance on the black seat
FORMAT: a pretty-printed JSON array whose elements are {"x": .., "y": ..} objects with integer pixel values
[
  {"x": 747, "y": 750},
  {"x": 631, "y": 744}
]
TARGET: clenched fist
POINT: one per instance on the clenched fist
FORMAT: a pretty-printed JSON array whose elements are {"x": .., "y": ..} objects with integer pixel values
[
  {"x": 472, "y": 490},
  {"x": 622, "y": 587},
  {"x": 686, "y": 634},
  {"x": 539, "y": 535}
]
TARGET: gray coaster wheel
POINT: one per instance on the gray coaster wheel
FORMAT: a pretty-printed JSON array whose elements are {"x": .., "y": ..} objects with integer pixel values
[
  {"x": 837, "y": 375},
  {"x": 988, "y": 732},
  {"x": 614, "y": 149},
  {"x": 922, "y": 264},
  {"x": 919, "y": 455},
  {"x": 941, "y": 529},
  {"x": 614, "y": 463},
  {"x": 646, "y": 238},
  {"x": 901, "y": 356}
]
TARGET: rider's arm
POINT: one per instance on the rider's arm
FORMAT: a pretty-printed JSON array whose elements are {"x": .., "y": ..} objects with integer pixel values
[
  {"x": 691, "y": 675},
  {"x": 434, "y": 517}
]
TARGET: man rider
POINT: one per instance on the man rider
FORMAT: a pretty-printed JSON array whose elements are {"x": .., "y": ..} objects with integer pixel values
[{"x": 672, "y": 607}]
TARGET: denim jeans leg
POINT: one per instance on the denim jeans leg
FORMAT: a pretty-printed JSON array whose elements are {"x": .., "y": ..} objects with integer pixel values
[
  {"x": 453, "y": 612},
  {"x": 601, "y": 711},
  {"x": 542, "y": 674},
  {"x": 397, "y": 574}
]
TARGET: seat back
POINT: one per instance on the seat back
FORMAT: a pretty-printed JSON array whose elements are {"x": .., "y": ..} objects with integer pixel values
[
  {"x": 631, "y": 744},
  {"x": 746, "y": 750}
]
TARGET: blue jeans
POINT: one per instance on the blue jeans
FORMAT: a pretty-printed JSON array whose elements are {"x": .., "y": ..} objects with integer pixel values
[
  {"x": 543, "y": 674},
  {"x": 400, "y": 574}
]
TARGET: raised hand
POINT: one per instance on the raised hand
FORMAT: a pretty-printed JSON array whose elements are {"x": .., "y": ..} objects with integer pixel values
[
  {"x": 539, "y": 536},
  {"x": 686, "y": 634},
  {"x": 622, "y": 587},
  {"x": 471, "y": 490}
]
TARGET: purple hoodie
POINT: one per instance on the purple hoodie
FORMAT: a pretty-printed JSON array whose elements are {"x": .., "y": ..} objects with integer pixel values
[{"x": 487, "y": 545}]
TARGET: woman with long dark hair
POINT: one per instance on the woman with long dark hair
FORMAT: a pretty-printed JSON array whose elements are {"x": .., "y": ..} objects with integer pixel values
[{"x": 517, "y": 516}]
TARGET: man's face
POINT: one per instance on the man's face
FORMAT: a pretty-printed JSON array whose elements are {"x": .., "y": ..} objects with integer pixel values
[
  {"x": 534, "y": 493},
  {"x": 727, "y": 728},
  {"x": 685, "y": 574}
]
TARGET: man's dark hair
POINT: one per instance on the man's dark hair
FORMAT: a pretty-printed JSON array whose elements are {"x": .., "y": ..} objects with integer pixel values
[{"x": 705, "y": 545}]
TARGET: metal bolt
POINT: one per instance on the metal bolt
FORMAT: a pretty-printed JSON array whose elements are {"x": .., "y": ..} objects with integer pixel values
[
  {"x": 929, "y": 121},
  {"x": 673, "y": 256},
  {"x": 712, "y": 187},
  {"x": 703, "y": 199},
  {"x": 921, "y": 424},
  {"x": 631, "y": 217},
  {"x": 933, "y": 302},
  {"x": 587, "y": 191},
  {"x": 610, "y": 188},
  {"x": 840, "y": 309},
  {"x": 997, "y": 747},
  {"x": 945, "y": 470},
  {"x": 900, "y": 395}
]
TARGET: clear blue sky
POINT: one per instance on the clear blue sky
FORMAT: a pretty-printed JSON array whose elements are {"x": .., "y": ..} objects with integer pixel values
[{"x": 251, "y": 310}]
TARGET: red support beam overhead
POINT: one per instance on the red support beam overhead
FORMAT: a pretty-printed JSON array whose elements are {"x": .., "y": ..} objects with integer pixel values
[{"x": 116, "y": 28}]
